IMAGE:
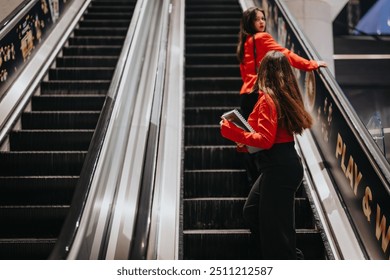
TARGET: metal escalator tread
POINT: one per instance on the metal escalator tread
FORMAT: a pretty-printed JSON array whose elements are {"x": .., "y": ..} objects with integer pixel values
[
  {"x": 39, "y": 171},
  {"x": 214, "y": 185}
]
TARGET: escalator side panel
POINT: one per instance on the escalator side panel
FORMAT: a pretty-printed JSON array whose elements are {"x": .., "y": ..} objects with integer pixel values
[
  {"x": 39, "y": 172},
  {"x": 358, "y": 168}
]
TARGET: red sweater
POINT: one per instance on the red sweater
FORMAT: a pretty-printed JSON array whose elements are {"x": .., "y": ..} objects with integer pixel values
[
  {"x": 264, "y": 44},
  {"x": 264, "y": 120}
]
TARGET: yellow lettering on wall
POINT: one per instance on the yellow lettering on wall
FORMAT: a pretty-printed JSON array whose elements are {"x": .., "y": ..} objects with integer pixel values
[
  {"x": 343, "y": 158},
  {"x": 358, "y": 177},
  {"x": 367, "y": 198},
  {"x": 339, "y": 145},
  {"x": 349, "y": 171},
  {"x": 381, "y": 228}
]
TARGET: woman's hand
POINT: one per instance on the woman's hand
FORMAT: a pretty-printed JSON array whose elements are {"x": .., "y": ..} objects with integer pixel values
[{"x": 322, "y": 63}]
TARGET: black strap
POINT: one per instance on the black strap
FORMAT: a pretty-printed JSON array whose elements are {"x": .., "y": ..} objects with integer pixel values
[{"x": 254, "y": 52}]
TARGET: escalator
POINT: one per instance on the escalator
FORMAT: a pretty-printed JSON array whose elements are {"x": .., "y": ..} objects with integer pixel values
[
  {"x": 215, "y": 186},
  {"x": 44, "y": 154}
]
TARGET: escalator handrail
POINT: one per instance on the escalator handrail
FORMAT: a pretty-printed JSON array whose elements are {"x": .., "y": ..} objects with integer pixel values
[
  {"x": 163, "y": 242},
  {"x": 362, "y": 134},
  {"x": 83, "y": 188},
  {"x": 105, "y": 228},
  {"x": 364, "y": 233},
  {"x": 142, "y": 225}
]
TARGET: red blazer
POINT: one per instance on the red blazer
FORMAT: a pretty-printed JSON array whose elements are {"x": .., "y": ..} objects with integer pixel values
[
  {"x": 264, "y": 44},
  {"x": 264, "y": 120}
]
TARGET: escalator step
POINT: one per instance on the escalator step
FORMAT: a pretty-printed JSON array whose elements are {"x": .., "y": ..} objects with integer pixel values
[
  {"x": 67, "y": 102},
  {"x": 102, "y": 31},
  {"x": 114, "y": 2},
  {"x": 205, "y": 135},
  {"x": 41, "y": 163},
  {"x": 96, "y": 40},
  {"x": 113, "y": 23},
  {"x": 213, "y": 14},
  {"x": 106, "y": 16},
  {"x": 50, "y": 140},
  {"x": 94, "y": 50},
  {"x": 212, "y": 157},
  {"x": 215, "y": 183},
  {"x": 216, "y": 38},
  {"x": 226, "y": 213},
  {"x": 205, "y": 115},
  {"x": 26, "y": 249},
  {"x": 75, "y": 74},
  {"x": 37, "y": 190},
  {"x": 200, "y": 7},
  {"x": 222, "y": 48},
  {"x": 213, "y": 213},
  {"x": 237, "y": 244},
  {"x": 60, "y": 120},
  {"x": 217, "y": 244},
  {"x": 213, "y": 84},
  {"x": 32, "y": 220},
  {"x": 212, "y": 99},
  {"x": 212, "y": 71},
  {"x": 213, "y": 30},
  {"x": 86, "y": 61},
  {"x": 210, "y": 58},
  {"x": 74, "y": 87}
]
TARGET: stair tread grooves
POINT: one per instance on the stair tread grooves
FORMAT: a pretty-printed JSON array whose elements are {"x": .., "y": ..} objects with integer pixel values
[
  {"x": 243, "y": 231},
  {"x": 77, "y": 81},
  {"x": 213, "y": 170},
  {"x": 54, "y": 131},
  {"x": 55, "y": 206},
  {"x": 68, "y": 57},
  {"x": 81, "y": 95},
  {"x": 214, "y": 199},
  {"x": 216, "y": 231},
  {"x": 42, "y": 152},
  {"x": 39, "y": 177},
  {"x": 32, "y": 239},
  {"x": 69, "y": 68},
  {"x": 61, "y": 112}
]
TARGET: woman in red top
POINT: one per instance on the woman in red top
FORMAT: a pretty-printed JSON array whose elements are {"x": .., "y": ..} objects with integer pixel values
[
  {"x": 278, "y": 114},
  {"x": 253, "y": 44}
]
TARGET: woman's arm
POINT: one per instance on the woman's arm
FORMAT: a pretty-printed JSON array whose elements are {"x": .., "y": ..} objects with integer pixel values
[
  {"x": 266, "y": 43},
  {"x": 266, "y": 127}
]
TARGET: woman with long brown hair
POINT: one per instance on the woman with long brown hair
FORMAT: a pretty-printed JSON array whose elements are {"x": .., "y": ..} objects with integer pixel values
[
  {"x": 253, "y": 43},
  {"x": 277, "y": 116}
]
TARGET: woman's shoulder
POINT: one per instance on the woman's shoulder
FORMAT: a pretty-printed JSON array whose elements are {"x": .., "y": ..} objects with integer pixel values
[{"x": 263, "y": 35}]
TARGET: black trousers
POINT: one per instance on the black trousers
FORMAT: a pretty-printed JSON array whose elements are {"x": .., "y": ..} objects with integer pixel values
[
  {"x": 247, "y": 102},
  {"x": 270, "y": 206}
]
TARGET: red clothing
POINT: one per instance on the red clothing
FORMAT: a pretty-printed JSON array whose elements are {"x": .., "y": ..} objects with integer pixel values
[
  {"x": 264, "y": 120},
  {"x": 264, "y": 44}
]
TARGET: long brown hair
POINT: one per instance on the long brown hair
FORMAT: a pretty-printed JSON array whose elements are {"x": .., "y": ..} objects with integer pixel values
[
  {"x": 247, "y": 28},
  {"x": 276, "y": 78}
]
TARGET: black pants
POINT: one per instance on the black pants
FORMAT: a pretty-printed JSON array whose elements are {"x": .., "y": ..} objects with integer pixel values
[
  {"x": 269, "y": 208},
  {"x": 247, "y": 102}
]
